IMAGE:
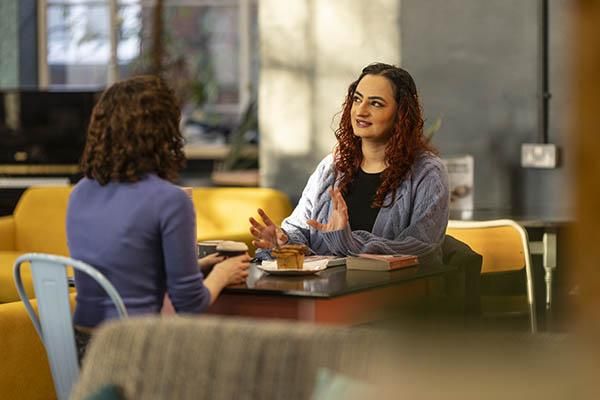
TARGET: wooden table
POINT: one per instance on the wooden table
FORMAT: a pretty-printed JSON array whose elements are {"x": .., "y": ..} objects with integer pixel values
[{"x": 333, "y": 296}]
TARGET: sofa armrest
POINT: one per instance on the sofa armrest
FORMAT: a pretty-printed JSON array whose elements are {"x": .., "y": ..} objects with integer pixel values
[
  {"x": 24, "y": 369},
  {"x": 7, "y": 233}
]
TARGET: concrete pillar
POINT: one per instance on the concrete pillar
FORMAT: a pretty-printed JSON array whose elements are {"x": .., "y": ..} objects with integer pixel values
[
  {"x": 9, "y": 44},
  {"x": 311, "y": 50}
]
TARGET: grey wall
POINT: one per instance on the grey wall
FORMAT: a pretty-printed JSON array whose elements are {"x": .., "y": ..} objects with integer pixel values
[
  {"x": 311, "y": 50},
  {"x": 474, "y": 63},
  {"x": 18, "y": 43},
  {"x": 9, "y": 43}
]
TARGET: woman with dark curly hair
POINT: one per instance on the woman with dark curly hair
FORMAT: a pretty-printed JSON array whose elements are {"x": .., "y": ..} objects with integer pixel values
[
  {"x": 126, "y": 217},
  {"x": 383, "y": 190}
]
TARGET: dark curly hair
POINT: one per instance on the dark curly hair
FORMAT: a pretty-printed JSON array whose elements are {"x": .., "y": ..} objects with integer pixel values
[
  {"x": 404, "y": 145},
  {"x": 134, "y": 130}
]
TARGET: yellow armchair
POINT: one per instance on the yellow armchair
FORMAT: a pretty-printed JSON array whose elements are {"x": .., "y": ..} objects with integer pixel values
[
  {"x": 222, "y": 213},
  {"x": 7, "y": 233},
  {"x": 24, "y": 369},
  {"x": 38, "y": 224}
]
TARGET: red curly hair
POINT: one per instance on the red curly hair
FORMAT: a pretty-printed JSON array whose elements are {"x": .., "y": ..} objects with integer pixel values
[{"x": 404, "y": 145}]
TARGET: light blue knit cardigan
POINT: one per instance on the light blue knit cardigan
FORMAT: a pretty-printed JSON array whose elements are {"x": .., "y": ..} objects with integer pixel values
[{"x": 415, "y": 223}]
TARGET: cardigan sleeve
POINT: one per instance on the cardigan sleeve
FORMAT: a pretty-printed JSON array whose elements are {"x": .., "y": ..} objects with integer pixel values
[
  {"x": 295, "y": 225},
  {"x": 423, "y": 235}
]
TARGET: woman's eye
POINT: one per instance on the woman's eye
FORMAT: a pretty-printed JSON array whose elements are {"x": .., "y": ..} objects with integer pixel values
[
  {"x": 356, "y": 99},
  {"x": 377, "y": 104}
]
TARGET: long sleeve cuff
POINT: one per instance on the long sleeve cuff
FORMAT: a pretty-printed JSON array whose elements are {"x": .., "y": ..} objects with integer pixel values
[
  {"x": 189, "y": 295},
  {"x": 341, "y": 242}
]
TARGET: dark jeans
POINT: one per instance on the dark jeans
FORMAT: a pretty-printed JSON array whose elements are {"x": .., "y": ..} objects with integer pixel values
[
  {"x": 81, "y": 341},
  {"x": 460, "y": 255}
]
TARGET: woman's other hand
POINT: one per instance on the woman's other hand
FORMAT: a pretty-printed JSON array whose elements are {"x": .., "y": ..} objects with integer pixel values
[
  {"x": 267, "y": 235},
  {"x": 338, "y": 219},
  {"x": 207, "y": 262},
  {"x": 234, "y": 270}
]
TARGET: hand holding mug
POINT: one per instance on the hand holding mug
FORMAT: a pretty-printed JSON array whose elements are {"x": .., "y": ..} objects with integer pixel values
[
  {"x": 207, "y": 262},
  {"x": 234, "y": 269}
]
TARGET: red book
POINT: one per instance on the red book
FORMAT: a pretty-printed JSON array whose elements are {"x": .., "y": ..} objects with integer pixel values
[{"x": 381, "y": 262}]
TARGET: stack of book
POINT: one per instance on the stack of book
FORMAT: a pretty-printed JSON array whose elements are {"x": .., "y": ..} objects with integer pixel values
[{"x": 381, "y": 262}]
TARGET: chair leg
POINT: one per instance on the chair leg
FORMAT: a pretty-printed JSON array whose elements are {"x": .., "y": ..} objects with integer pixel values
[{"x": 531, "y": 301}]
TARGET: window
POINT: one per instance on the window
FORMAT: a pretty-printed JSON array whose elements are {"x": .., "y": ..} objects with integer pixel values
[
  {"x": 79, "y": 49},
  {"x": 211, "y": 46}
]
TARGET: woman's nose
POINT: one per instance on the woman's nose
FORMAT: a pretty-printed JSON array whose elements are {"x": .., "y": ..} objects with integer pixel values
[{"x": 362, "y": 108}]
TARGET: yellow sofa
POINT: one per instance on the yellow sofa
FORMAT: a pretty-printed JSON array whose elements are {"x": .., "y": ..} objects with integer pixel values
[
  {"x": 38, "y": 223},
  {"x": 24, "y": 369}
]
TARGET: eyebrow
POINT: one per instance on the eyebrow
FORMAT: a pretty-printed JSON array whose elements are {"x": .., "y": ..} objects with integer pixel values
[{"x": 371, "y": 97}]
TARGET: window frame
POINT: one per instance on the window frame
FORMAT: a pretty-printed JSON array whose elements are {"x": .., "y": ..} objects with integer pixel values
[{"x": 244, "y": 51}]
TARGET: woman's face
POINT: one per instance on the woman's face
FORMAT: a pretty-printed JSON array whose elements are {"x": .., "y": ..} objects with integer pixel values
[{"x": 373, "y": 108}]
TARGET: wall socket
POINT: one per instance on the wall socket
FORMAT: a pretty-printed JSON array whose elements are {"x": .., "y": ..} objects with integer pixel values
[{"x": 539, "y": 155}]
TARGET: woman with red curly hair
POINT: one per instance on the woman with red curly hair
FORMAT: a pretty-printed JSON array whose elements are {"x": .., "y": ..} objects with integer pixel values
[{"x": 383, "y": 190}]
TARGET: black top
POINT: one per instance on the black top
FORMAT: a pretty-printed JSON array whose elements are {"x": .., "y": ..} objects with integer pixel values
[{"x": 359, "y": 198}]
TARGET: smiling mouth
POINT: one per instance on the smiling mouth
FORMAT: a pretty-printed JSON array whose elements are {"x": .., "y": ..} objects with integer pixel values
[{"x": 363, "y": 124}]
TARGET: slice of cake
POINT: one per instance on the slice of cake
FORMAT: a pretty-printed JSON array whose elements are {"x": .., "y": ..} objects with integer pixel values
[{"x": 290, "y": 256}]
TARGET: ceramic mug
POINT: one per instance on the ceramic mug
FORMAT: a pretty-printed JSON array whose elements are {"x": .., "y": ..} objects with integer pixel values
[{"x": 207, "y": 247}]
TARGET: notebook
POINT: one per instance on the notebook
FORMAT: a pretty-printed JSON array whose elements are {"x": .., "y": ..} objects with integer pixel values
[
  {"x": 333, "y": 261},
  {"x": 381, "y": 262}
]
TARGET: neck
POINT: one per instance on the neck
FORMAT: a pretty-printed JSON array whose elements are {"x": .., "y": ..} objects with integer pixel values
[{"x": 373, "y": 156}]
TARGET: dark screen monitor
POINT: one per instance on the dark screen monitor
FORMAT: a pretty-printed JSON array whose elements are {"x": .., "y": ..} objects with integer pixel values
[{"x": 44, "y": 127}]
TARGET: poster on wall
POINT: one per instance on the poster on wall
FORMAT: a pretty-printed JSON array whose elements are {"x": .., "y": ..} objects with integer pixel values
[{"x": 461, "y": 180}]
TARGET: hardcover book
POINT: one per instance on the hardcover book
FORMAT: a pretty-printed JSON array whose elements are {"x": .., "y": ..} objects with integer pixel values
[{"x": 381, "y": 262}]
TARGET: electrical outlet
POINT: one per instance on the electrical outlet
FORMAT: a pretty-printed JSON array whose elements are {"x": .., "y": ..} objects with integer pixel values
[{"x": 538, "y": 155}]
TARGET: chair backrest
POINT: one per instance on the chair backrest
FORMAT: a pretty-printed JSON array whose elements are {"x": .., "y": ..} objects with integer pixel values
[
  {"x": 40, "y": 220},
  {"x": 55, "y": 324},
  {"x": 229, "y": 208},
  {"x": 502, "y": 243},
  {"x": 167, "y": 358}
]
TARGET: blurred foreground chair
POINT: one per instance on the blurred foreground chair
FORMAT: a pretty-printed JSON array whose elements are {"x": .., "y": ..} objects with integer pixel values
[
  {"x": 504, "y": 246},
  {"x": 55, "y": 324},
  {"x": 220, "y": 358},
  {"x": 223, "y": 358}
]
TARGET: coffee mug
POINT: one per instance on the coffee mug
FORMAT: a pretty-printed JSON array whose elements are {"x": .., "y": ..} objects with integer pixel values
[
  {"x": 207, "y": 247},
  {"x": 231, "y": 249}
]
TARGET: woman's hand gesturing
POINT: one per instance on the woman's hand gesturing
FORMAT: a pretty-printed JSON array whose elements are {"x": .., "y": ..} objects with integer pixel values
[
  {"x": 267, "y": 235},
  {"x": 338, "y": 219}
]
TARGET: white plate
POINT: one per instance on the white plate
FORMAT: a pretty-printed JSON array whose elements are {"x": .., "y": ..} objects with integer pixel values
[{"x": 313, "y": 267}]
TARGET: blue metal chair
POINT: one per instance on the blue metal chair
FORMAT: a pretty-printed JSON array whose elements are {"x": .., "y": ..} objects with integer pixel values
[{"x": 55, "y": 324}]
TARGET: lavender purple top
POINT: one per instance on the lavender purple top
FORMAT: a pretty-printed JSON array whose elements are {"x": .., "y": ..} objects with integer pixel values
[{"x": 141, "y": 236}]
